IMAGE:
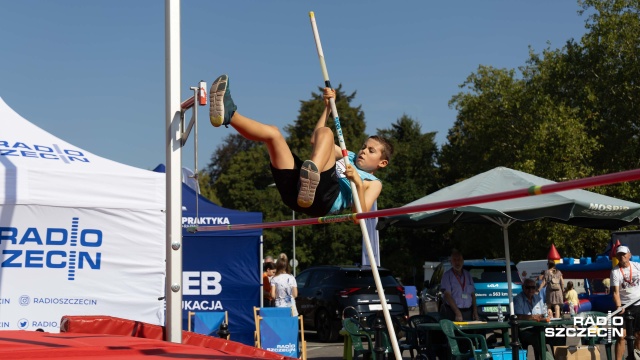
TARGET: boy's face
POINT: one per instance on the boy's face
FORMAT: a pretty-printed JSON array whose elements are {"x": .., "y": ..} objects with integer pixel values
[{"x": 369, "y": 158}]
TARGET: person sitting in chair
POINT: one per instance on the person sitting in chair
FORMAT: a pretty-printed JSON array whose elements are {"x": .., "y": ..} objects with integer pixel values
[{"x": 528, "y": 305}]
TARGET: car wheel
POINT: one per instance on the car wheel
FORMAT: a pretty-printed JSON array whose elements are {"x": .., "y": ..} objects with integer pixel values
[{"x": 326, "y": 327}]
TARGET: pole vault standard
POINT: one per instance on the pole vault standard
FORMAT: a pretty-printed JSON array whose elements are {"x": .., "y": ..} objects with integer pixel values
[
  {"x": 594, "y": 181},
  {"x": 173, "y": 281},
  {"x": 176, "y": 138},
  {"x": 354, "y": 191}
]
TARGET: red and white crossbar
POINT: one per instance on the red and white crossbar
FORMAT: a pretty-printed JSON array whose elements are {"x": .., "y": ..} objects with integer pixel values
[{"x": 594, "y": 181}]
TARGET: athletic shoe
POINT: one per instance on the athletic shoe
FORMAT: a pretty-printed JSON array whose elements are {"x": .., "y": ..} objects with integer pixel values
[
  {"x": 309, "y": 180},
  {"x": 221, "y": 105}
]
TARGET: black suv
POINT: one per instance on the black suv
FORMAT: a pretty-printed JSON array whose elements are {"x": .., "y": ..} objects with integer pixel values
[{"x": 325, "y": 291}]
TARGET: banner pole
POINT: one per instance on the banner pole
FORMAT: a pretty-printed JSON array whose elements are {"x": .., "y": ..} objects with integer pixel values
[{"x": 354, "y": 191}]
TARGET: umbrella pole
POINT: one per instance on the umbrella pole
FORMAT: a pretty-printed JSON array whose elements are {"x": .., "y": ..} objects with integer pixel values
[
  {"x": 507, "y": 254},
  {"x": 515, "y": 343}
]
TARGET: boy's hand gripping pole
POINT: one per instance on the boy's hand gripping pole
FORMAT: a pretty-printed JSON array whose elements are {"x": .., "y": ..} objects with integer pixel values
[{"x": 354, "y": 191}]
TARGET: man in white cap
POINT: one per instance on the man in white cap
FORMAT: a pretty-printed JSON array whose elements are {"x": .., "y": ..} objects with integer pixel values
[{"x": 625, "y": 284}]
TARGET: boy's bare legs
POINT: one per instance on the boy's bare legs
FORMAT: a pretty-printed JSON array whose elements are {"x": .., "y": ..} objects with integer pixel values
[
  {"x": 323, "y": 154},
  {"x": 279, "y": 152},
  {"x": 223, "y": 112},
  {"x": 322, "y": 158}
]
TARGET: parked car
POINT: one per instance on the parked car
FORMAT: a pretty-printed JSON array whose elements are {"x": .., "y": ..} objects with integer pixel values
[
  {"x": 325, "y": 291},
  {"x": 490, "y": 279}
]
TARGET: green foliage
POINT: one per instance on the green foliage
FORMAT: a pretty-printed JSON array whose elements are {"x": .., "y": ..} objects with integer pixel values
[
  {"x": 206, "y": 190},
  {"x": 572, "y": 113}
]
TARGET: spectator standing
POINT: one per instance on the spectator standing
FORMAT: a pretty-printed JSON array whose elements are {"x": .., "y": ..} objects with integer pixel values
[
  {"x": 269, "y": 272},
  {"x": 554, "y": 285},
  {"x": 542, "y": 290},
  {"x": 625, "y": 285},
  {"x": 459, "y": 291},
  {"x": 284, "y": 288},
  {"x": 571, "y": 295}
]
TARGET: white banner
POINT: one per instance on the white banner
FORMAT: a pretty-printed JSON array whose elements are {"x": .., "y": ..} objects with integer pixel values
[
  {"x": 59, "y": 261},
  {"x": 373, "y": 237}
]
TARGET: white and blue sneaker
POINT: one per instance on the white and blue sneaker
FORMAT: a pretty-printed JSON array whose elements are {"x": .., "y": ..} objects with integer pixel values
[{"x": 221, "y": 105}]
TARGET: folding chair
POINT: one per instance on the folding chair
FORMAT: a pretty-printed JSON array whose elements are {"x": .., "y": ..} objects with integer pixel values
[
  {"x": 207, "y": 322},
  {"x": 280, "y": 332},
  {"x": 267, "y": 312}
]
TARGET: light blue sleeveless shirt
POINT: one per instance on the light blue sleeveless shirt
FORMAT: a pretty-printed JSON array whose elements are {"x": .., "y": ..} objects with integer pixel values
[{"x": 344, "y": 199}]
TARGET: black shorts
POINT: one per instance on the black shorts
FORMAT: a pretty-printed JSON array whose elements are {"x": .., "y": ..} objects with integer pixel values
[
  {"x": 288, "y": 183},
  {"x": 635, "y": 311}
]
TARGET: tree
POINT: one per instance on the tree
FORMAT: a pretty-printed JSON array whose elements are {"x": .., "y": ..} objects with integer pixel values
[
  {"x": 561, "y": 119},
  {"x": 411, "y": 173}
]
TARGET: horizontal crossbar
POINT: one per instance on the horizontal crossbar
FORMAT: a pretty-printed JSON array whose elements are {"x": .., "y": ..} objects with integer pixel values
[{"x": 594, "y": 181}]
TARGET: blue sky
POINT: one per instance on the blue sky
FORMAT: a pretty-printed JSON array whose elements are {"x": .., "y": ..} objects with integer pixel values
[{"x": 93, "y": 72}]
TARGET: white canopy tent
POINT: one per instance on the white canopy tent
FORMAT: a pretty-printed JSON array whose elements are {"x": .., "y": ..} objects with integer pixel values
[{"x": 79, "y": 234}]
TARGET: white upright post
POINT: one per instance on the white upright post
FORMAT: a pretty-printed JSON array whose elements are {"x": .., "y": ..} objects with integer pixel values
[{"x": 173, "y": 281}]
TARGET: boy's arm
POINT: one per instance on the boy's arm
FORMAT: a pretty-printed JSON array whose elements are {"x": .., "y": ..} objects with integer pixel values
[
  {"x": 368, "y": 191},
  {"x": 372, "y": 190},
  {"x": 328, "y": 94}
]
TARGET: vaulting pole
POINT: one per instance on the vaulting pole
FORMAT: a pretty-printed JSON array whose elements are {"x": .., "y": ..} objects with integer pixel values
[
  {"x": 594, "y": 181},
  {"x": 354, "y": 191}
]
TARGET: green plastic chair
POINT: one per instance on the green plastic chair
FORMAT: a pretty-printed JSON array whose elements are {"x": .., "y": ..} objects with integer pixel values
[
  {"x": 406, "y": 344},
  {"x": 430, "y": 344},
  {"x": 597, "y": 340},
  {"x": 477, "y": 343},
  {"x": 359, "y": 335}
]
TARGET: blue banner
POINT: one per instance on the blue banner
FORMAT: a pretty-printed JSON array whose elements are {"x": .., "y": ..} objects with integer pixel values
[
  {"x": 223, "y": 274},
  {"x": 411, "y": 293}
]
